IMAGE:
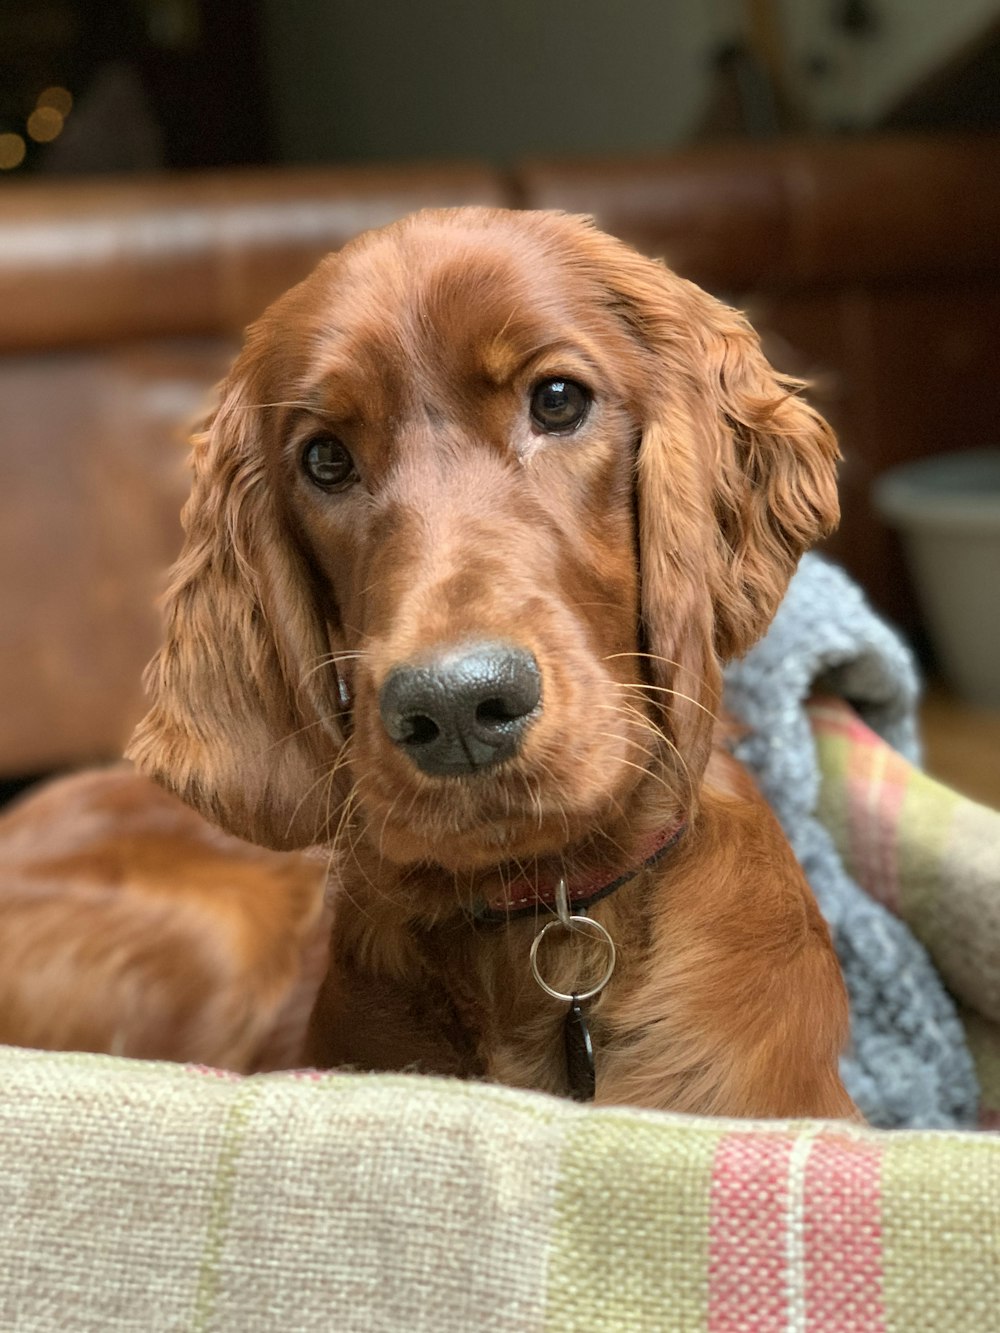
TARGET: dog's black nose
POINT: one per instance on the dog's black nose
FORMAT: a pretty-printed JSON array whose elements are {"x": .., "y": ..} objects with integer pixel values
[{"x": 463, "y": 709}]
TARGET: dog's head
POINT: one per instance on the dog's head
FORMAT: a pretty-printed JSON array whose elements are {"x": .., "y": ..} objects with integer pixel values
[{"x": 487, "y": 501}]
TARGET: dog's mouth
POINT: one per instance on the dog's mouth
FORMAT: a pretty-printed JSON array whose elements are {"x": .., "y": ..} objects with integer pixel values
[
  {"x": 476, "y": 842},
  {"x": 480, "y": 751},
  {"x": 534, "y": 803}
]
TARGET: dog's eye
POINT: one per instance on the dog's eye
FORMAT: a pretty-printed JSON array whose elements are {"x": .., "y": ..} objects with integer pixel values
[
  {"x": 327, "y": 463},
  {"x": 559, "y": 405}
]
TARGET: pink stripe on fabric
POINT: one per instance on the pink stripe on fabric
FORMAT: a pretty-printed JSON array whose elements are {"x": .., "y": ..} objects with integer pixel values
[
  {"x": 876, "y": 780},
  {"x": 832, "y": 717},
  {"x": 210, "y": 1071},
  {"x": 875, "y": 783},
  {"x": 876, "y": 791},
  {"x": 843, "y": 1237},
  {"x": 747, "y": 1257}
]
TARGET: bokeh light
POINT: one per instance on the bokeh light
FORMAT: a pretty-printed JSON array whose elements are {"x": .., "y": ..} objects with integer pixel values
[
  {"x": 12, "y": 150},
  {"x": 45, "y": 124},
  {"x": 59, "y": 99}
]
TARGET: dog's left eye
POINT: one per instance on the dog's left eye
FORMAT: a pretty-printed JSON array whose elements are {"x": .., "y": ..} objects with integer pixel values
[
  {"x": 327, "y": 463},
  {"x": 559, "y": 405}
]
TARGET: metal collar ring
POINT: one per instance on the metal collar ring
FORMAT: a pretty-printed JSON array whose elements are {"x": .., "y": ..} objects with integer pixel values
[{"x": 574, "y": 923}]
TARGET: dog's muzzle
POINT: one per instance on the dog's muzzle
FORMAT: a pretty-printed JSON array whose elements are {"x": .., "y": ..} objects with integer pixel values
[{"x": 464, "y": 708}]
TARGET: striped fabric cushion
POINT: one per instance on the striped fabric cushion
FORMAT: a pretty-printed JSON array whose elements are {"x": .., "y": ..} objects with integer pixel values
[
  {"x": 929, "y": 855},
  {"x": 139, "y": 1196},
  {"x": 149, "y": 1197}
]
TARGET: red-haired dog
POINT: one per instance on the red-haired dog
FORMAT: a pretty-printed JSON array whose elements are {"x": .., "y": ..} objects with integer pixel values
[{"x": 486, "y": 504}]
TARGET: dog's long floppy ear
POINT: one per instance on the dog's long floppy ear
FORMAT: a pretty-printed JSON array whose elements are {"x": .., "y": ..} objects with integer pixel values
[
  {"x": 775, "y": 483},
  {"x": 736, "y": 477},
  {"x": 238, "y": 727}
]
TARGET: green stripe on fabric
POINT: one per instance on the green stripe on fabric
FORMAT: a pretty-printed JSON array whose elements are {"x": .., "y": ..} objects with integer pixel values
[
  {"x": 833, "y": 752},
  {"x": 630, "y": 1237},
  {"x": 940, "y": 1233},
  {"x": 234, "y": 1131},
  {"x": 922, "y": 838}
]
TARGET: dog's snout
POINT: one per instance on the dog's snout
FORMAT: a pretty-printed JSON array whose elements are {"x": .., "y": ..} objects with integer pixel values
[{"x": 463, "y": 709}]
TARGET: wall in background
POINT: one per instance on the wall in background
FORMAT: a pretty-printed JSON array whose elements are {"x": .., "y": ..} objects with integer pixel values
[
  {"x": 448, "y": 78},
  {"x": 190, "y": 83}
]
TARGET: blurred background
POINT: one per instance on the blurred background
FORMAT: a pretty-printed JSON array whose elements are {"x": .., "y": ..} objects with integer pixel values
[{"x": 167, "y": 167}]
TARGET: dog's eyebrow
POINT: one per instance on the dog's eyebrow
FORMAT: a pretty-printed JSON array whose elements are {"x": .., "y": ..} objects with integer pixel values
[
  {"x": 330, "y": 394},
  {"x": 502, "y": 358}
]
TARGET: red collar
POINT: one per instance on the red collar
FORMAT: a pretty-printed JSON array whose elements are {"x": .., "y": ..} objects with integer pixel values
[{"x": 522, "y": 896}]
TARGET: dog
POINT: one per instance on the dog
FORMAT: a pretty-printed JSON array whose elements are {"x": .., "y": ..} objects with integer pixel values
[
  {"x": 486, "y": 503},
  {"x": 133, "y": 927}
]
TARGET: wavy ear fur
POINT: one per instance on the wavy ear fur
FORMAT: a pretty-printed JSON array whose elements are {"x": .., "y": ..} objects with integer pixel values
[
  {"x": 237, "y": 727},
  {"x": 775, "y": 491},
  {"x": 736, "y": 477}
]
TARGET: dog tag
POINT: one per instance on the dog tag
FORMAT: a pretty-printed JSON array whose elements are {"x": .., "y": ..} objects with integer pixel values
[{"x": 579, "y": 1053}]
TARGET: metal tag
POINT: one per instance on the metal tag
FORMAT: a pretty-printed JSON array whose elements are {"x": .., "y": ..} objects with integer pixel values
[{"x": 579, "y": 1053}]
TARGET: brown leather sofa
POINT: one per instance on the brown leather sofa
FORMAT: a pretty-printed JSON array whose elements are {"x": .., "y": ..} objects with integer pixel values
[{"x": 873, "y": 264}]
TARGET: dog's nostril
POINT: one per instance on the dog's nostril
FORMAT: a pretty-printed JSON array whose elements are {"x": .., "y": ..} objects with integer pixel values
[
  {"x": 420, "y": 730},
  {"x": 464, "y": 708},
  {"x": 495, "y": 712}
]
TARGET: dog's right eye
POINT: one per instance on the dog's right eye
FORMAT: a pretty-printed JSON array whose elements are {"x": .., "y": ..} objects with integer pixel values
[
  {"x": 327, "y": 463},
  {"x": 559, "y": 405}
]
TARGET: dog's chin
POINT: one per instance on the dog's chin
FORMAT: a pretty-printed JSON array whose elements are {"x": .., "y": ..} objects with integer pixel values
[
  {"x": 513, "y": 813},
  {"x": 461, "y": 848},
  {"x": 486, "y": 846}
]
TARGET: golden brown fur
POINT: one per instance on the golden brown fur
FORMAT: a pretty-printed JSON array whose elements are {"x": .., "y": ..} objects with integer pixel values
[
  {"x": 130, "y": 925},
  {"x": 631, "y": 557}
]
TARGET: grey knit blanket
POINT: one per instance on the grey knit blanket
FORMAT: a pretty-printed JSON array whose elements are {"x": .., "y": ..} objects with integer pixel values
[{"x": 908, "y": 1064}]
